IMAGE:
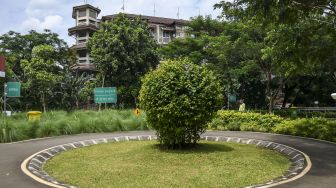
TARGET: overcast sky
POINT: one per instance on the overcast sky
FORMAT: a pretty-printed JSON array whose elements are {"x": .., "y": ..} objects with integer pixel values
[{"x": 24, "y": 15}]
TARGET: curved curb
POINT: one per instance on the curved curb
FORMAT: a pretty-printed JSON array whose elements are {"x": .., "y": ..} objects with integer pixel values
[
  {"x": 278, "y": 134},
  {"x": 33, "y": 165}
]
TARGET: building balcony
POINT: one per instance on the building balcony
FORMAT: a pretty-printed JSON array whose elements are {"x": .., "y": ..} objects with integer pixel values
[
  {"x": 89, "y": 27},
  {"x": 84, "y": 64},
  {"x": 82, "y": 40},
  {"x": 83, "y": 67},
  {"x": 84, "y": 60},
  {"x": 87, "y": 21},
  {"x": 79, "y": 46}
]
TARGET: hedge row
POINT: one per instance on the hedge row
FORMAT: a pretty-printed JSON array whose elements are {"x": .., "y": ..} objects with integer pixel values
[
  {"x": 57, "y": 123},
  {"x": 319, "y": 128},
  {"x": 297, "y": 113}
]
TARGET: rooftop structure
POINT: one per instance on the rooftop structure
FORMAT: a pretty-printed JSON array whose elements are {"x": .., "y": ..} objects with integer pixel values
[{"x": 163, "y": 30}]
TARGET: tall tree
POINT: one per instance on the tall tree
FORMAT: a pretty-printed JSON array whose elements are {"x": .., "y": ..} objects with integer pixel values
[
  {"x": 123, "y": 51},
  {"x": 229, "y": 49},
  {"x": 277, "y": 11},
  {"x": 17, "y": 47},
  {"x": 41, "y": 73},
  {"x": 297, "y": 41}
]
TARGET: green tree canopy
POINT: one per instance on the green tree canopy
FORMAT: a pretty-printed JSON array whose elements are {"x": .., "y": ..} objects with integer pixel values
[
  {"x": 40, "y": 73},
  {"x": 18, "y": 47},
  {"x": 123, "y": 51}
]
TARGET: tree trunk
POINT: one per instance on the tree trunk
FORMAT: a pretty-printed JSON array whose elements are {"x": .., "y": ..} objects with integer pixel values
[
  {"x": 77, "y": 104},
  {"x": 271, "y": 105},
  {"x": 88, "y": 102},
  {"x": 287, "y": 94},
  {"x": 102, "y": 86},
  {"x": 44, "y": 103},
  {"x": 268, "y": 93}
]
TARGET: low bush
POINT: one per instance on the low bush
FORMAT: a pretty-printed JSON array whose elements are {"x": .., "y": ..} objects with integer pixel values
[
  {"x": 319, "y": 128},
  {"x": 294, "y": 113},
  {"x": 236, "y": 121},
  {"x": 17, "y": 127}
]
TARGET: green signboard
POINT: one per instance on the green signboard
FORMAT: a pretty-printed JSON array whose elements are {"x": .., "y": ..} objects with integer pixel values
[
  {"x": 105, "y": 95},
  {"x": 232, "y": 98},
  {"x": 13, "y": 89}
]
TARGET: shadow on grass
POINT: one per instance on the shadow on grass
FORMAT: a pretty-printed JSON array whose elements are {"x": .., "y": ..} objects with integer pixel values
[{"x": 198, "y": 148}]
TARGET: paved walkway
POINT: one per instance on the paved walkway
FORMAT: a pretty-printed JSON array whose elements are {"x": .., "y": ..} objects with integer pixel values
[{"x": 322, "y": 155}]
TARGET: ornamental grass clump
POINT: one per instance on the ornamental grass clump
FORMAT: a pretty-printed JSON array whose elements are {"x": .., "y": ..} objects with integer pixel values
[
  {"x": 55, "y": 123},
  {"x": 180, "y": 98}
]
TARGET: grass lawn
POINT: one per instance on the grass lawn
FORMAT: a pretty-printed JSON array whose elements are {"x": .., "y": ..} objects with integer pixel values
[{"x": 143, "y": 164}]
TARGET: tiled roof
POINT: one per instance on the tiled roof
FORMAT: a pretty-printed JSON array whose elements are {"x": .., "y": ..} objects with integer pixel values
[{"x": 150, "y": 19}]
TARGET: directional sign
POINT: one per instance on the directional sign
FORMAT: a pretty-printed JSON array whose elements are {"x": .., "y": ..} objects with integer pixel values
[
  {"x": 105, "y": 95},
  {"x": 13, "y": 89},
  {"x": 2, "y": 66}
]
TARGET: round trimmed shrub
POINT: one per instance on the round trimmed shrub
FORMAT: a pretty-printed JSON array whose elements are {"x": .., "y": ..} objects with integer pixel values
[{"x": 179, "y": 98}]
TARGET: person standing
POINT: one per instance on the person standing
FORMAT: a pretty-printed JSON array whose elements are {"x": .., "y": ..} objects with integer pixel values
[{"x": 242, "y": 106}]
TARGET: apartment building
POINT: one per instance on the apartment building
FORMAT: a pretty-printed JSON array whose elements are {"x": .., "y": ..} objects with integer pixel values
[{"x": 163, "y": 30}]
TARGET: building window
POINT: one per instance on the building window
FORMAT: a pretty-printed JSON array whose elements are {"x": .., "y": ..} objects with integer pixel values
[
  {"x": 82, "y": 61},
  {"x": 81, "y": 53},
  {"x": 151, "y": 31},
  {"x": 82, "y": 41},
  {"x": 166, "y": 34},
  {"x": 81, "y": 22},
  {"x": 92, "y": 22},
  {"x": 82, "y": 13},
  {"x": 92, "y": 14},
  {"x": 81, "y": 34}
]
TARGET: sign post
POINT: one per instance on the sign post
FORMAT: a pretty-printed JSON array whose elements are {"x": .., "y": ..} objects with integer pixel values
[
  {"x": 105, "y": 95},
  {"x": 231, "y": 98},
  {"x": 2, "y": 66},
  {"x": 5, "y": 94},
  {"x": 2, "y": 74},
  {"x": 11, "y": 89}
]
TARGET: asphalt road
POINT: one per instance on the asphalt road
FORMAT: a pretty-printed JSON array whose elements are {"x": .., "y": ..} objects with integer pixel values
[{"x": 322, "y": 155}]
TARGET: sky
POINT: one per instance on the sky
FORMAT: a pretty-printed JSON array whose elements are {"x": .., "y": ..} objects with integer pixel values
[{"x": 24, "y": 15}]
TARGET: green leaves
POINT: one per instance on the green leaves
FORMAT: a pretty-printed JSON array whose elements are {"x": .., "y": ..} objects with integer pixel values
[
  {"x": 40, "y": 72},
  {"x": 123, "y": 51},
  {"x": 179, "y": 99}
]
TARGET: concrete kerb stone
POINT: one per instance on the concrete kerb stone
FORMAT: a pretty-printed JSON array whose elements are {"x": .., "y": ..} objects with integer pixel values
[{"x": 33, "y": 166}]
